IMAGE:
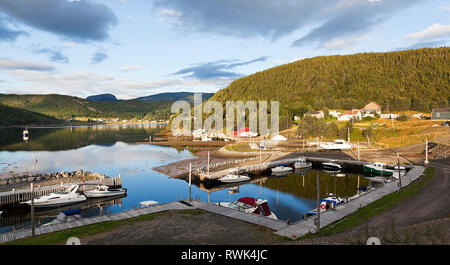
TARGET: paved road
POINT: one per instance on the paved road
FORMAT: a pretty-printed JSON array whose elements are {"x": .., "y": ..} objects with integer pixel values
[{"x": 432, "y": 202}]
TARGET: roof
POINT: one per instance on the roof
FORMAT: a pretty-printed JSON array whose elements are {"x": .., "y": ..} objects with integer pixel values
[
  {"x": 444, "y": 109},
  {"x": 371, "y": 105}
]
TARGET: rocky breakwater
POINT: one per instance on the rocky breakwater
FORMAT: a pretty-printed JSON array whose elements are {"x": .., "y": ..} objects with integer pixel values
[{"x": 63, "y": 175}]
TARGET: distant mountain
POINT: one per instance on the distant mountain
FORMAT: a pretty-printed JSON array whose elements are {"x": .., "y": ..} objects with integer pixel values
[
  {"x": 174, "y": 96},
  {"x": 103, "y": 98}
]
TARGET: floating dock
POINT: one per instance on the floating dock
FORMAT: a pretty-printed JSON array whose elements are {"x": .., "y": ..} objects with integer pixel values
[
  {"x": 14, "y": 197},
  {"x": 282, "y": 228}
]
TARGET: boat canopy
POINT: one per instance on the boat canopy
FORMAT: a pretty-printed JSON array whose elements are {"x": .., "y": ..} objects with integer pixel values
[{"x": 260, "y": 207}]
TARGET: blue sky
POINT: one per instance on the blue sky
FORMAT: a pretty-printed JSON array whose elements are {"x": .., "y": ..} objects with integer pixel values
[{"x": 133, "y": 48}]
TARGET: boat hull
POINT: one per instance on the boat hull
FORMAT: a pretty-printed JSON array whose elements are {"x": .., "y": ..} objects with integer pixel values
[
  {"x": 58, "y": 203},
  {"x": 233, "y": 180},
  {"x": 102, "y": 194},
  {"x": 378, "y": 172}
]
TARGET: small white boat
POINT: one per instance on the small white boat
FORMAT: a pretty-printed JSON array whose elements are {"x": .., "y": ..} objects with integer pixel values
[
  {"x": 1, "y": 212},
  {"x": 301, "y": 163},
  {"x": 332, "y": 165},
  {"x": 234, "y": 178},
  {"x": 336, "y": 145},
  {"x": 145, "y": 204},
  {"x": 104, "y": 191},
  {"x": 59, "y": 198},
  {"x": 281, "y": 169},
  {"x": 340, "y": 175},
  {"x": 250, "y": 205},
  {"x": 327, "y": 203}
]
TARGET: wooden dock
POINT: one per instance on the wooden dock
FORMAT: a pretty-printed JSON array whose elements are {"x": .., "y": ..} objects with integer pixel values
[
  {"x": 280, "y": 227},
  {"x": 14, "y": 197},
  {"x": 306, "y": 226},
  {"x": 40, "y": 230}
]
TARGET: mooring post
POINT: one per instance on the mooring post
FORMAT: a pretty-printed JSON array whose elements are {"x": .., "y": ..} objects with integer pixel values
[
  {"x": 358, "y": 152},
  {"x": 190, "y": 177},
  {"x": 32, "y": 209},
  {"x": 208, "y": 162},
  {"x": 426, "y": 152},
  {"x": 357, "y": 189},
  {"x": 318, "y": 202}
]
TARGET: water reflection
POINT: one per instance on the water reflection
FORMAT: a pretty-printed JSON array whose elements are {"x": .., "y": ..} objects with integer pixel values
[{"x": 111, "y": 151}]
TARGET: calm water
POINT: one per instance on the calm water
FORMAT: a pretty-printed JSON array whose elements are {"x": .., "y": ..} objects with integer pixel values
[{"x": 110, "y": 150}]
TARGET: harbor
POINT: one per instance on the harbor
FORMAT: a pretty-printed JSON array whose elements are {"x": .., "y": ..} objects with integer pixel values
[{"x": 282, "y": 228}]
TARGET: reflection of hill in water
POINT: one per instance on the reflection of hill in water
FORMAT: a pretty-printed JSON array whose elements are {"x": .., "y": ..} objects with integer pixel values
[
  {"x": 56, "y": 139},
  {"x": 293, "y": 184}
]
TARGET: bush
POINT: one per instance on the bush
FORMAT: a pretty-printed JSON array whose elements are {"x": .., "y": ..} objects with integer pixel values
[{"x": 403, "y": 117}]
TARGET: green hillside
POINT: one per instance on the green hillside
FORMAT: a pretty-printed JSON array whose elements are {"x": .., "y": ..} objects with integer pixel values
[
  {"x": 14, "y": 116},
  {"x": 64, "y": 107},
  {"x": 413, "y": 79}
]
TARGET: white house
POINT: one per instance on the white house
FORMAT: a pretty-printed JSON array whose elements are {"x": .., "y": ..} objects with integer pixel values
[{"x": 349, "y": 114}]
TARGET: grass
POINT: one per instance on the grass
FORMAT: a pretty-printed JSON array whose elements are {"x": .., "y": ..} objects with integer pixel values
[
  {"x": 62, "y": 236},
  {"x": 362, "y": 215}
]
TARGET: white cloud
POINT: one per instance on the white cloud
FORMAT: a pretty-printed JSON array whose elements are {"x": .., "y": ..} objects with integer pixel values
[
  {"x": 432, "y": 32},
  {"x": 128, "y": 68},
  {"x": 10, "y": 64}
]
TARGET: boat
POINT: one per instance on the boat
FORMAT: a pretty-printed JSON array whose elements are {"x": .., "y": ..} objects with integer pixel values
[
  {"x": 104, "y": 191},
  {"x": 340, "y": 175},
  {"x": 250, "y": 205},
  {"x": 59, "y": 198},
  {"x": 336, "y": 145},
  {"x": 145, "y": 204},
  {"x": 301, "y": 163},
  {"x": 378, "y": 169},
  {"x": 234, "y": 177},
  {"x": 281, "y": 169},
  {"x": 332, "y": 165},
  {"x": 1, "y": 212},
  {"x": 65, "y": 217},
  {"x": 25, "y": 135},
  {"x": 327, "y": 203}
]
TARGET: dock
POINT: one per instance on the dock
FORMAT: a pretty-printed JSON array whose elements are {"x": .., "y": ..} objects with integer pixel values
[
  {"x": 280, "y": 227},
  {"x": 14, "y": 197}
]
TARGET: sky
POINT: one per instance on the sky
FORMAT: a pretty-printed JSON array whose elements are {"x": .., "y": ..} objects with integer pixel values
[{"x": 134, "y": 48}]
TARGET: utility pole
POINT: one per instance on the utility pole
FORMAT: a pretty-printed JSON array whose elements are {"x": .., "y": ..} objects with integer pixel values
[
  {"x": 399, "y": 177},
  {"x": 426, "y": 152},
  {"x": 318, "y": 202},
  {"x": 392, "y": 120}
]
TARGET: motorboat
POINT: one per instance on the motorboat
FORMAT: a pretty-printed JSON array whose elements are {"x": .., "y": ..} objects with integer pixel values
[
  {"x": 234, "y": 178},
  {"x": 145, "y": 204},
  {"x": 104, "y": 191},
  {"x": 332, "y": 165},
  {"x": 59, "y": 198},
  {"x": 250, "y": 205},
  {"x": 336, "y": 145},
  {"x": 301, "y": 163},
  {"x": 378, "y": 169},
  {"x": 65, "y": 217},
  {"x": 281, "y": 169},
  {"x": 327, "y": 203}
]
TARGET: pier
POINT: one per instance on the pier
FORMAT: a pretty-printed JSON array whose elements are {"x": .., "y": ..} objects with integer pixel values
[
  {"x": 14, "y": 197},
  {"x": 280, "y": 227}
]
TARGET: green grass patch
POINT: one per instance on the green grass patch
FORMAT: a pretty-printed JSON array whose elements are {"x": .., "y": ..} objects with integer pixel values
[
  {"x": 362, "y": 215},
  {"x": 62, "y": 236}
]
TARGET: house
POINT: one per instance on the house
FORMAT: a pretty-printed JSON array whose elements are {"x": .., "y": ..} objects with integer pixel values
[
  {"x": 350, "y": 114},
  {"x": 318, "y": 114},
  {"x": 372, "y": 107},
  {"x": 334, "y": 113},
  {"x": 440, "y": 114},
  {"x": 388, "y": 116}
]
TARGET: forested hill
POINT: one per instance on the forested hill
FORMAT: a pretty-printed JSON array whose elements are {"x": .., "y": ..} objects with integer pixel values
[
  {"x": 66, "y": 107},
  {"x": 413, "y": 79}
]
